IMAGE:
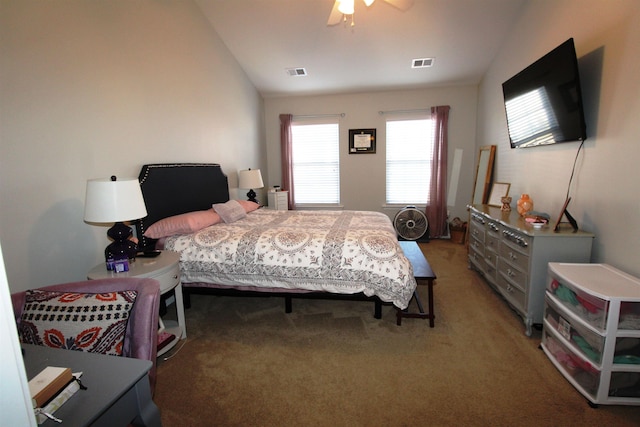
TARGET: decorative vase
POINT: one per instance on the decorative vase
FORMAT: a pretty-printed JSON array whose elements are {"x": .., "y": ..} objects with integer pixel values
[{"x": 525, "y": 205}]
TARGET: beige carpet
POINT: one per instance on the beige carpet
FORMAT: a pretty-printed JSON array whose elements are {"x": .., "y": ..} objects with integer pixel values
[{"x": 330, "y": 363}]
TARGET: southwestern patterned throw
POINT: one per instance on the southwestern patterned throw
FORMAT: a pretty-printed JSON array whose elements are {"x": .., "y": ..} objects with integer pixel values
[
  {"x": 94, "y": 323},
  {"x": 344, "y": 252}
]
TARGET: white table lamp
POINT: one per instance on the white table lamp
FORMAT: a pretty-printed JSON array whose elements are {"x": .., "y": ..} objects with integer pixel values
[
  {"x": 111, "y": 200},
  {"x": 250, "y": 179}
]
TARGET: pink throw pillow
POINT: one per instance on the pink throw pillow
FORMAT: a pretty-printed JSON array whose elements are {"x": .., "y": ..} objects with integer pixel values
[
  {"x": 186, "y": 223},
  {"x": 248, "y": 205}
]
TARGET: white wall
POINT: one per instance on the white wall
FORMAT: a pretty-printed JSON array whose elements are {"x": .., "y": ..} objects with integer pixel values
[
  {"x": 605, "y": 196},
  {"x": 362, "y": 176},
  {"x": 98, "y": 88}
]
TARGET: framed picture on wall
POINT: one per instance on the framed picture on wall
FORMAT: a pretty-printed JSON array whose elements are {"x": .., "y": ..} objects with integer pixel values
[
  {"x": 498, "y": 191},
  {"x": 362, "y": 141}
]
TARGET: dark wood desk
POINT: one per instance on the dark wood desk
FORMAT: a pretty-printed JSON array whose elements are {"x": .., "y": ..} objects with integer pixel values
[
  {"x": 424, "y": 275},
  {"x": 118, "y": 391}
]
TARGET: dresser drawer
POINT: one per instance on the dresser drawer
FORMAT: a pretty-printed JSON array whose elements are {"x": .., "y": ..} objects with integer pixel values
[
  {"x": 477, "y": 246},
  {"x": 514, "y": 294},
  {"x": 491, "y": 258},
  {"x": 492, "y": 243},
  {"x": 515, "y": 257},
  {"x": 490, "y": 270},
  {"x": 476, "y": 231},
  {"x": 517, "y": 240},
  {"x": 476, "y": 258},
  {"x": 513, "y": 275}
]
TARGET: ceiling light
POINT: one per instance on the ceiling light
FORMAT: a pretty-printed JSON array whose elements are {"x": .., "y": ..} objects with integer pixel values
[{"x": 346, "y": 7}]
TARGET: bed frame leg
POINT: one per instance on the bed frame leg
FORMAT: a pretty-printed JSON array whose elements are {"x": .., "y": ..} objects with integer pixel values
[{"x": 288, "y": 305}]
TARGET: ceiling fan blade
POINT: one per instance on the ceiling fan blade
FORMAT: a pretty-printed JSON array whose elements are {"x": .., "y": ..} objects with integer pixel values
[
  {"x": 336, "y": 16},
  {"x": 401, "y": 4}
]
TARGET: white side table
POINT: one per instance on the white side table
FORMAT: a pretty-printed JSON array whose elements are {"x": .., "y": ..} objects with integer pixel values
[
  {"x": 166, "y": 270},
  {"x": 278, "y": 200}
]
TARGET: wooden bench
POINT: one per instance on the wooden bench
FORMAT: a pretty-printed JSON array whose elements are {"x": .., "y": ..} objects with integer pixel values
[{"x": 424, "y": 275}]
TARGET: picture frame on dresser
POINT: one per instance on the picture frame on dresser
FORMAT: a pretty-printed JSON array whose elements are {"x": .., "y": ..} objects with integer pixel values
[
  {"x": 565, "y": 212},
  {"x": 498, "y": 191}
]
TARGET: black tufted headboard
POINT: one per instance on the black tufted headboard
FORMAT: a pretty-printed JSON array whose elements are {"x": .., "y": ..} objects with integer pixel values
[{"x": 175, "y": 188}]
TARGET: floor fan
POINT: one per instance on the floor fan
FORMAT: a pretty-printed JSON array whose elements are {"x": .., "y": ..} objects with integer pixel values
[{"x": 410, "y": 223}]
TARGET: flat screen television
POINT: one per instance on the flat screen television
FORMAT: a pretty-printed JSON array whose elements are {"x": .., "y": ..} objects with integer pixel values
[{"x": 543, "y": 102}]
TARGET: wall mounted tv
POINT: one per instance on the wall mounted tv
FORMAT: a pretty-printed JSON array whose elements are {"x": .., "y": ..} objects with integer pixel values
[{"x": 543, "y": 102}]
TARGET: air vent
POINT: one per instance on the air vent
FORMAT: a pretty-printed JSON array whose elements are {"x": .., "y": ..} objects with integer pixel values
[
  {"x": 296, "y": 72},
  {"x": 422, "y": 63}
]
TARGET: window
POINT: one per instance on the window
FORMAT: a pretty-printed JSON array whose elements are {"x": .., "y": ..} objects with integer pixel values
[
  {"x": 409, "y": 159},
  {"x": 316, "y": 162}
]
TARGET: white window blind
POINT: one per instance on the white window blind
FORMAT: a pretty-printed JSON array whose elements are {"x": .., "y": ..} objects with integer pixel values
[
  {"x": 316, "y": 162},
  {"x": 409, "y": 159}
]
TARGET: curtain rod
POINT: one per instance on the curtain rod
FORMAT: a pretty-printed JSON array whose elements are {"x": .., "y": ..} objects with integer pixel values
[
  {"x": 420, "y": 110},
  {"x": 318, "y": 116}
]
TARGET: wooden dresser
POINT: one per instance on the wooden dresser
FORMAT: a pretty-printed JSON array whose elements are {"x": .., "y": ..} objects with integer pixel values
[{"x": 513, "y": 256}]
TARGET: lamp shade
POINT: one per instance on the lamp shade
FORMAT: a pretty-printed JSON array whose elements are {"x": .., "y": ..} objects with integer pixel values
[
  {"x": 250, "y": 178},
  {"x": 111, "y": 200}
]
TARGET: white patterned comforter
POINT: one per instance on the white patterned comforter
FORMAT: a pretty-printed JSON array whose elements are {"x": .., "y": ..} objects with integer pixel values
[{"x": 343, "y": 252}]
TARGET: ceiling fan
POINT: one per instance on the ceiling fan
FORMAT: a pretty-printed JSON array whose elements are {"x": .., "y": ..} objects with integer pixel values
[{"x": 343, "y": 8}]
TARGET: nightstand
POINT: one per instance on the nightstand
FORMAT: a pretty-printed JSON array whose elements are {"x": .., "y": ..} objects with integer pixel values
[
  {"x": 278, "y": 200},
  {"x": 165, "y": 269}
]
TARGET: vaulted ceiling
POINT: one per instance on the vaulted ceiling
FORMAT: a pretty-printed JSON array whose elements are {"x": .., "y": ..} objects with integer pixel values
[{"x": 267, "y": 37}]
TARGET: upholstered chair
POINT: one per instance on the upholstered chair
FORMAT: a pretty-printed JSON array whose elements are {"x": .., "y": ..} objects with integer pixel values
[{"x": 141, "y": 335}]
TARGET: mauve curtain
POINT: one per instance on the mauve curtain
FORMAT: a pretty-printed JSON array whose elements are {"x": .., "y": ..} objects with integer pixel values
[
  {"x": 436, "y": 209},
  {"x": 286, "y": 141}
]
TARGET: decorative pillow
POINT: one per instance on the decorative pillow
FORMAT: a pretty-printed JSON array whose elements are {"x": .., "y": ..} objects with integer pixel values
[
  {"x": 230, "y": 211},
  {"x": 94, "y": 323},
  {"x": 185, "y": 223}
]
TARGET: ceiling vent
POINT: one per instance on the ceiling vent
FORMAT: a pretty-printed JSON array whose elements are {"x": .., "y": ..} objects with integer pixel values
[
  {"x": 422, "y": 63},
  {"x": 296, "y": 72}
]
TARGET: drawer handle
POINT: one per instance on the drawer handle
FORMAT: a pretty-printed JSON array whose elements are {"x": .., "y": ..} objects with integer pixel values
[
  {"x": 513, "y": 256},
  {"x": 509, "y": 288},
  {"x": 510, "y": 273},
  {"x": 478, "y": 218},
  {"x": 516, "y": 238}
]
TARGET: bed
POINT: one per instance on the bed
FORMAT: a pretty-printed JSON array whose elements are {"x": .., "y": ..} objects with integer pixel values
[{"x": 343, "y": 254}]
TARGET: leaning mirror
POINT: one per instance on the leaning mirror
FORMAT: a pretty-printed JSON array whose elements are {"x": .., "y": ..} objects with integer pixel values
[{"x": 484, "y": 172}]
